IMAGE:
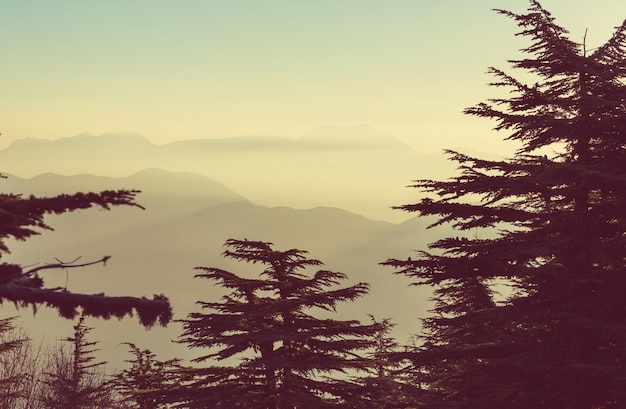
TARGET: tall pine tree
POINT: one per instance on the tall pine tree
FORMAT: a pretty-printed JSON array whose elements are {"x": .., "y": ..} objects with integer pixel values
[
  {"x": 554, "y": 217},
  {"x": 287, "y": 357}
]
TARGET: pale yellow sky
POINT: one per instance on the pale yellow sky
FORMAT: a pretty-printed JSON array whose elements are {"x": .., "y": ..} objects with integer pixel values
[{"x": 191, "y": 69}]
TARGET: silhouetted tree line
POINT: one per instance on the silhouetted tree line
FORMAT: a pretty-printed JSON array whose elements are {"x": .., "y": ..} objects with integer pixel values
[{"x": 529, "y": 309}]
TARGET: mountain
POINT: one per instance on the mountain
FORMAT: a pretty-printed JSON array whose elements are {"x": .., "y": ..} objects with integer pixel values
[
  {"x": 187, "y": 219},
  {"x": 235, "y": 144},
  {"x": 75, "y": 154},
  {"x": 151, "y": 181},
  {"x": 355, "y": 168},
  {"x": 162, "y": 192}
]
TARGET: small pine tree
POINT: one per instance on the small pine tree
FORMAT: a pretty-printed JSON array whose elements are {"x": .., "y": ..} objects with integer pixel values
[
  {"x": 12, "y": 378},
  {"x": 73, "y": 379},
  {"x": 288, "y": 358}
]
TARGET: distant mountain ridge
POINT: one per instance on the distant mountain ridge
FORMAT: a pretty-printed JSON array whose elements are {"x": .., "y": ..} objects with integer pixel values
[
  {"x": 325, "y": 137},
  {"x": 355, "y": 168},
  {"x": 273, "y": 171},
  {"x": 153, "y": 184}
]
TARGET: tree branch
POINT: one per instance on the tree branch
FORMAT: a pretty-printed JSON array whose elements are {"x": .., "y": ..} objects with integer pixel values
[
  {"x": 149, "y": 311},
  {"x": 65, "y": 265}
]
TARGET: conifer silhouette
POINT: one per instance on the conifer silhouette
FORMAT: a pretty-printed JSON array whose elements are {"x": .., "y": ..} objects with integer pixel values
[
  {"x": 287, "y": 357},
  {"x": 551, "y": 239}
]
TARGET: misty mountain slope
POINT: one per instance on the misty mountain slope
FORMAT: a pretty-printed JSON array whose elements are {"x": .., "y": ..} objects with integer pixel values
[
  {"x": 322, "y": 226},
  {"x": 403, "y": 239},
  {"x": 191, "y": 239},
  {"x": 394, "y": 296},
  {"x": 152, "y": 182},
  {"x": 164, "y": 194}
]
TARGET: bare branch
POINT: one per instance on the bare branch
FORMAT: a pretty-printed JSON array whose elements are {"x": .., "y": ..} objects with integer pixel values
[{"x": 63, "y": 265}]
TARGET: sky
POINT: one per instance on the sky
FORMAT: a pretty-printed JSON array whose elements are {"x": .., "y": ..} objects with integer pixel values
[{"x": 173, "y": 70}]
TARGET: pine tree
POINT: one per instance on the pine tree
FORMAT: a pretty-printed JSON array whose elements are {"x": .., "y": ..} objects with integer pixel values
[
  {"x": 12, "y": 378},
  {"x": 554, "y": 223},
  {"x": 288, "y": 358},
  {"x": 23, "y": 217},
  {"x": 73, "y": 379}
]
